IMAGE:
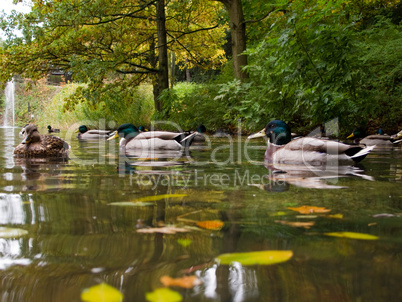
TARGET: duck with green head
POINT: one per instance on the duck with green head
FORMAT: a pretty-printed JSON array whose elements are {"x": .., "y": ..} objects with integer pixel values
[
  {"x": 41, "y": 146},
  {"x": 85, "y": 133},
  {"x": 379, "y": 139},
  {"x": 306, "y": 150},
  {"x": 132, "y": 138}
]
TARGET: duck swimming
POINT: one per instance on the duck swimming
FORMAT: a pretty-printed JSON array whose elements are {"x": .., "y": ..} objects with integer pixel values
[
  {"x": 307, "y": 150},
  {"x": 42, "y": 146},
  {"x": 85, "y": 133},
  {"x": 131, "y": 138},
  {"x": 51, "y": 130},
  {"x": 375, "y": 139}
]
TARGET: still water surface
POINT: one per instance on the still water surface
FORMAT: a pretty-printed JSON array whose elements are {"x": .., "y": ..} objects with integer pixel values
[{"x": 82, "y": 222}]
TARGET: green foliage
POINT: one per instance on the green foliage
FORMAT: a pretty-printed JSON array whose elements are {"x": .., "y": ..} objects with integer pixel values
[
  {"x": 315, "y": 65},
  {"x": 134, "y": 105}
]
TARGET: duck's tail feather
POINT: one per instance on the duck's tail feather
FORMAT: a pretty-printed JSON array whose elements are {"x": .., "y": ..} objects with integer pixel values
[
  {"x": 187, "y": 141},
  {"x": 360, "y": 155}
]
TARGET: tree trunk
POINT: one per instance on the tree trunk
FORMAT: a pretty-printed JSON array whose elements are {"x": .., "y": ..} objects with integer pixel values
[
  {"x": 163, "y": 74},
  {"x": 238, "y": 33}
]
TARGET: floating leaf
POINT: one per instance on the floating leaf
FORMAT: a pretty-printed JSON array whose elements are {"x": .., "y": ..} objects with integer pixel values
[
  {"x": 159, "y": 197},
  {"x": 12, "y": 233},
  {"x": 253, "y": 258},
  {"x": 184, "y": 242},
  {"x": 210, "y": 224},
  {"x": 310, "y": 209},
  {"x": 184, "y": 282},
  {"x": 280, "y": 213},
  {"x": 101, "y": 292},
  {"x": 131, "y": 204},
  {"x": 163, "y": 295},
  {"x": 297, "y": 224},
  {"x": 163, "y": 230},
  {"x": 337, "y": 216},
  {"x": 353, "y": 235}
]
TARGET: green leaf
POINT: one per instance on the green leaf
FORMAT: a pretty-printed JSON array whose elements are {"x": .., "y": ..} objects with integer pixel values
[
  {"x": 352, "y": 235},
  {"x": 101, "y": 292},
  {"x": 254, "y": 258},
  {"x": 159, "y": 197},
  {"x": 184, "y": 242},
  {"x": 12, "y": 233},
  {"x": 163, "y": 295},
  {"x": 131, "y": 204}
]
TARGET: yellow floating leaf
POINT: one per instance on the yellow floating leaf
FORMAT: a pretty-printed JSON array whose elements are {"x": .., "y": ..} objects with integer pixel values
[
  {"x": 210, "y": 224},
  {"x": 280, "y": 213},
  {"x": 184, "y": 282},
  {"x": 337, "y": 216},
  {"x": 353, "y": 235},
  {"x": 163, "y": 230},
  {"x": 297, "y": 224},
  {"x": 254, "y": 258},
  {"x": 101, "y": 292},
  {"x": 184, "y": 242},
  {"x": 163, "y": 295},
  {"x": 159, "y": 197},
  {"x": 12, "y": 232},
  {"x": 310, "y": 209}
]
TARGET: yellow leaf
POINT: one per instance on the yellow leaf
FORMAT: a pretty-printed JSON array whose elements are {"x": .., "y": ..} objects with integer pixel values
[
  {"x": 254, "y": 258},
  {"x": 297, "y": 224},
  {"x": 159, "y": 197},
  {"x": 185, "y": 282},
  {"x": 310, "y": 209},
  {"x": 101, "y": 292},
  {"x": 210, "y": 224},
  {"x": 163, "y": 295},
  {"x": 338, "y": 216},
  {"x": 352, "y": 235},
  {"x": 184, "y": 242}
]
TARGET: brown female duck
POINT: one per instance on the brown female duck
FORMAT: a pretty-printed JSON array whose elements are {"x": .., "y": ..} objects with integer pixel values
[{"x": 42, "y": 146}]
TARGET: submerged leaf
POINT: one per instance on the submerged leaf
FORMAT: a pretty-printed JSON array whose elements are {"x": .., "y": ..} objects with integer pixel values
[
  {"x": 131, "y": 204},
  {"x": 101, "y": 292},
  {"x": 210, "y": 224},
  {"x": 185, "y": 282},
  {"x": 353, "y": 235},
  {"x": 310, "y": 209},
  {"x": 163, "y": 295},
  {"x": 184, "y": 242},
  {"x": 163, "y": 230},
  {"x": 253, "y": 258},
  {"x": 297, "y": 224},
  {"x": 12, "y": 232},
  {"x": 159, "y": 197}
]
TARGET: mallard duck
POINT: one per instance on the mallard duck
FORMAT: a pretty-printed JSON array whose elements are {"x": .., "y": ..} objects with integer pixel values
[
  {"x": 142, "y": 129},
  {"x": 199, "y": 136},
  {"x": 375, "y": 139},
  {"x": 131, "y": 138},
  {"x": 85, "y": 133},
  {"x": 51, "y": 130},
  {"x": 307, "y": 150},
  {"x": 45, "y": 146}
]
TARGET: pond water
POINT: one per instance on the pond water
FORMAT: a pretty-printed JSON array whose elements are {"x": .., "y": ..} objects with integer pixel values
[{"x": 87, "y": 221}]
